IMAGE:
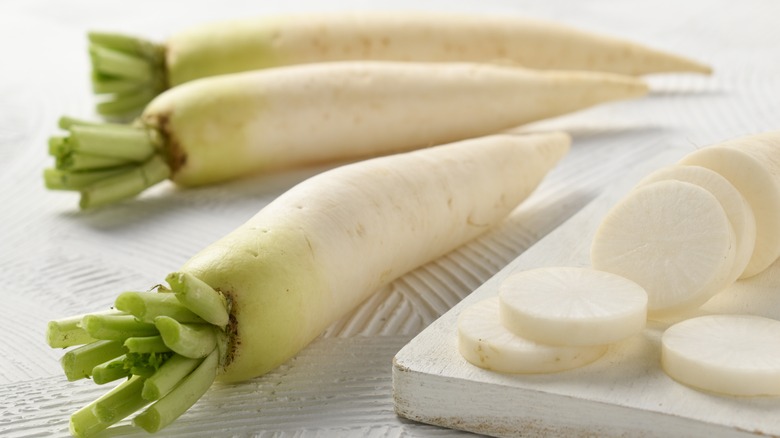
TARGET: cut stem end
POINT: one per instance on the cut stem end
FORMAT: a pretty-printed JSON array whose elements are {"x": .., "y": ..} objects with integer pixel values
[
  {"x": 170, "y": 363},
  {"x": 105, "y": 162}
]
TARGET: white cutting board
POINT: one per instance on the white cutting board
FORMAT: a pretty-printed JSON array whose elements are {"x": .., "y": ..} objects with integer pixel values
[{"x": 625, "y": 393}]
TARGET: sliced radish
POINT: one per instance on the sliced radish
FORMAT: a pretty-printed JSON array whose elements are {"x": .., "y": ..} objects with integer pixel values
[
  {"x": 572, "y": 306},
  {"x": 752, "y": 165},
  {"x": 737, "y": 209},
  {"x": 671, "y": 237},
  {"x": 729, "y": 354},
  {"x": 484, "y": 342}
]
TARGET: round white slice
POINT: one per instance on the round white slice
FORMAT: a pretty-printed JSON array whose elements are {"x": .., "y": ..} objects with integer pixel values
[
  {"x": 735, "y": 205},
  {"x": 572, "y": 306},
  {"x": 728, "y": 354},
  {"x": 752, "y": 165},
  {"x": 671, "y": 237},
  {"x": 484, "y": 342}
]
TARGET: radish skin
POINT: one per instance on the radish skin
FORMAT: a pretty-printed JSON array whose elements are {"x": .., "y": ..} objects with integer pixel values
[
  {"x": 289, "y": 279},
  {"x": 219, "y": 48},
  {"x": 289, "y": 117},
  {"x": 225, "y": 127},
  {"x": 752, "y": 165},
  {"x": 319, "y": 250},
  {"x": 259, "y": 43}
]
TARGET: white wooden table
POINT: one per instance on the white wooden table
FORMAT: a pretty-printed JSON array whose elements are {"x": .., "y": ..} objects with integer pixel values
[{"x": 56, "y": 261}]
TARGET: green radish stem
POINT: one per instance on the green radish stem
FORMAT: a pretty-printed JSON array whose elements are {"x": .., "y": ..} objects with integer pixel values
[
  {"x": 189, "y": 340},
  {"x": 142, "y": 371},
  {"x": 140, "y": 351},
  {"x": 129, "y": 71},
  {"x": 125, "y": 185},
  {"x": 128, "y": 143},
  {"x": 116, "y": 327},
  {"x": 58, "y": 179},
  {"x": 168, "y": 376},
  {"x": 181, "y": 398},
  {"x": 125, "y": 103},
  {"x": 110, "y": 408},
  {"x": 110, "y": 371},
  {"x": 78, "y": 363},
  {"x": 146, "y": 364},
  {"x": 121, "y": 402},
  {"x": 146, "y": 307},
  {"x": 84, "y": 422},
  {"x": 113, "y": 63},
  {"x": 67, "y": 332},
  {"x": 146, "y": 344},
  {"x": 200, "y": 297},
  {"x": 106, "y": 162},
  {"x": 84, "y": 162}
]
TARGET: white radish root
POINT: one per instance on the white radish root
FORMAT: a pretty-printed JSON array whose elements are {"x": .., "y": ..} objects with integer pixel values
[
  {"x": 223, "y": 127},
  {"x": 672, "y": 238},
  {"x": 570, "y": 306},
  {"x": 484, "y": 342},
  {"x": 327, "y": 244},
  {"x": 737, "y": 209},
  {"x": 727, "y": 354},
  {"x": 249, "y": 44},
  {"x": 752, "y": 165}
]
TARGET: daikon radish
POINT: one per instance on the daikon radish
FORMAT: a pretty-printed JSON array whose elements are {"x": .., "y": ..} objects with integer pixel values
[
  {"x": 485, "y": 342},
  {"x": 131, "y": 71},
  {"x": 728, "y": 354},
  {"x": 752, "y": 165},
  {"x": 225, "y": 127},
  {"x": 570, "y": 306},
  {"x": 671, "y": 237},
  {"x": 256, "y": 297},
  {"x": 737, "y": 209}
]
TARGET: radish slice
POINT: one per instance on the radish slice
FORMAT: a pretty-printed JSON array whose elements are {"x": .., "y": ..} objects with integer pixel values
[
  {"x": 671, "y": 237},
  {"x": 737, "y": 209},
  {"x": 729, "y": 354},
  {"x": 752, "y": 165},
  {"x": 572, "y": 306},
  {"x": 484, "y": 342}
]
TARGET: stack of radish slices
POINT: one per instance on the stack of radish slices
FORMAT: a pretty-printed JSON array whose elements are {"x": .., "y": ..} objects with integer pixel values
[
  {"x": 682, "y": 235},
  {"x": 551, "y": 319}
]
